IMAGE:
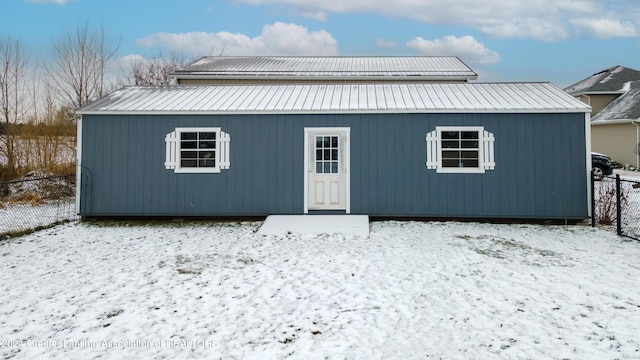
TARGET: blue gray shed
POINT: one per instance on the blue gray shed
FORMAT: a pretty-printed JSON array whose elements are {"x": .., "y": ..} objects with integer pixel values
[{"x": 480, "y": 150}]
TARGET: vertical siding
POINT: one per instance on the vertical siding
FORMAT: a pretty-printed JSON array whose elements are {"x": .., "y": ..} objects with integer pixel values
[
  {"x": 620, "y": 150},
  {"x": 540, "y": 170}
]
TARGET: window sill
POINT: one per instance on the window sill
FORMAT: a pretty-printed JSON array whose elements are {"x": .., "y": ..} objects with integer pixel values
[
  {"x": 197, "y": 171},
  {"x": 460, "y": 170}
]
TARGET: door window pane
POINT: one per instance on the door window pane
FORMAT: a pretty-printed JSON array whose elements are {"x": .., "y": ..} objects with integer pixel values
[{"x": 327, "y": 155}]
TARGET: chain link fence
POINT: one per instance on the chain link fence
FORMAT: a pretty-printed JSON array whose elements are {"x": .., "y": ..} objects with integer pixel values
[
  {"x": 31, "y": 204},
  {"x": 616, "y": 205}
]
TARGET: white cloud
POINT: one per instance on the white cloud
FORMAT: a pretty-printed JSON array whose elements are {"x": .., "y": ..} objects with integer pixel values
[
  {"x": 385, "y": 43},
  {"x": 546, "y": 20},
  {"x": 524, "y": 28},
  {"x": 291, "y": 39},
  {"x": 467, "y": 48},
  {"x": 313, "y": 14},
  {"x": 119, "y": 70},
  {"x": 605, "y": 28},
  {"x": 127, "y": 61},
  {"x": 276, "y": 39}
]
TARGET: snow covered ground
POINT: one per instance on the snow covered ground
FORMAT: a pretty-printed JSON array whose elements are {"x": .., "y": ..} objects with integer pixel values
[
  {"x": 626, "y": 174},
  {"x": 411, "y": 290},
  {"x": 631, "y": 193},
  {"x": 25, "y": 217}
]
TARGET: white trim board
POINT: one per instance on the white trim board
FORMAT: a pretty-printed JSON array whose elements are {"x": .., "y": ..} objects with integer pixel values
[
  {"x": 587, "y": 138},
  {"x": 347, "y": 162},
  {"x": 335, "y": 112},
  {"x": 78, "y": 164}
]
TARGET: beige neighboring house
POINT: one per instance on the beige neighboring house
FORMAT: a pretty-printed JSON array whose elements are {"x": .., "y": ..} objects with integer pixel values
[
  {"x": 614, "y": 96},
  {"x": 272, "y": 70}
]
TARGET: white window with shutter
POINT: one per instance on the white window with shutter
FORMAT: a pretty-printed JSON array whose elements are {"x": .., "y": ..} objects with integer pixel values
[
  {"x": 460, "y": 149},
  {"x": 197, "y": 150}
]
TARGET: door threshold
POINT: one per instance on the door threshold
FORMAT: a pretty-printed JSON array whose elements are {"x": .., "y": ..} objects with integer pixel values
[{"x": 328, "y": 212}]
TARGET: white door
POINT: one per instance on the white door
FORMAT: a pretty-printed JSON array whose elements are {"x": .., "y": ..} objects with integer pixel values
[{"x": 327, "y": 160}]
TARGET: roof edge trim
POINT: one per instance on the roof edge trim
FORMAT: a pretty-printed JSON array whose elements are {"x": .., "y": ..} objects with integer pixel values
[
  {"x": 613, "y": 122},
  {"x": 391, "y": 79},
  {"x": 337, "y": 112}
]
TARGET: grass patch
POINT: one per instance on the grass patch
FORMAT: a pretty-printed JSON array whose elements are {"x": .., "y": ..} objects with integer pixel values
[
  {"x": 14, "y": 234},
  {"x": 166, "y": 222},
  {"x": 511, "y": 249},
  {"x": 186, "y": 266},
  {"x": 246, "y": 261},
  {"x": 29, "y": 197},
  {"x": 189, "y": 271}
]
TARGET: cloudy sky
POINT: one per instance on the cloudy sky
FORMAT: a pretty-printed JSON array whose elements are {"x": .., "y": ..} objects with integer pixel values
[{"x": 562, "y": 41}]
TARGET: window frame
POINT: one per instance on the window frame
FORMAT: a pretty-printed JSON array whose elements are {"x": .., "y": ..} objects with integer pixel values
[
  {"x": 330, "y": 161},
  {"x": 220, "y": 138},
  {"x": 485, "y": 143}
]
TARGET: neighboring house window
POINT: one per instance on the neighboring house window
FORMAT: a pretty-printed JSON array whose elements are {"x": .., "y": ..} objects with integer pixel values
[
  {"x": 197, "y": 150},
  {"x": 460, "y": 149}
]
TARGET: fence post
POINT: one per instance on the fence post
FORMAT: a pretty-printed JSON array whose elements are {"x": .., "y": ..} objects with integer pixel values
[
  {"x": 618, "y": 206},
  {"x": 593, "y": 200}
]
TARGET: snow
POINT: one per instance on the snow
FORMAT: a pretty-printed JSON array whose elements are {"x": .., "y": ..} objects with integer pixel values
[
  {"x": 631, "y": 209},
  {"x": 25, "y": 217},
  {"x": 604, "y": 78},
  {"x": 627, "y": 174},
  {"x": 623, "y": 108},
  {"x": 281, "y": 225},
  {"x": 411, "y": 290},
  {"x": 584, "y": 85},
  {"x": 611, "y": 74}
]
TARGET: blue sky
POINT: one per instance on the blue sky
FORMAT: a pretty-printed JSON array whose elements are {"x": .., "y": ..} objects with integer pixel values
[{"x": 562, "y": 41}]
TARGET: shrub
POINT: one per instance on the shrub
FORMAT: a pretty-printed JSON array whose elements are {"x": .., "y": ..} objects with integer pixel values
[
  {"x": 605, "y": 207},
  {"x": 29, "y": 197}
]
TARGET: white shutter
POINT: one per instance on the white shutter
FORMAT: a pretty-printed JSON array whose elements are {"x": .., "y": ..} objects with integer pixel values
[
  {"x": 432, "y": 149},
  {"x": 171, "y": 145},
  {"x": 487, "y": 142},
  {"x": 225, "y": 139}
]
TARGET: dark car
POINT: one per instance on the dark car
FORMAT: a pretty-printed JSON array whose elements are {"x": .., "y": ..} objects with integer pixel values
[{"x": 601, "y": 165}]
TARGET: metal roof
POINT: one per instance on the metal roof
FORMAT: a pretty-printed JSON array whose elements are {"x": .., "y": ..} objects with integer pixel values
[
  {"x": 328, "y": 67},
  {"x": 347, "y": 98}
]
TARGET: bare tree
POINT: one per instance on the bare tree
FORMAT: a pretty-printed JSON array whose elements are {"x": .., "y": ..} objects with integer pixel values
[
  {"x": 80, "y": 62},
  {"x": 218, "y": 51},
  {"x": 156, "y": 71},
  {"x": 13, "y": 95},
  {"x": 49, "y": 136}
]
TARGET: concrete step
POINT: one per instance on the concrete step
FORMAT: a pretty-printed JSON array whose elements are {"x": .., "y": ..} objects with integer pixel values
[{"x": 279, "y": 225}]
